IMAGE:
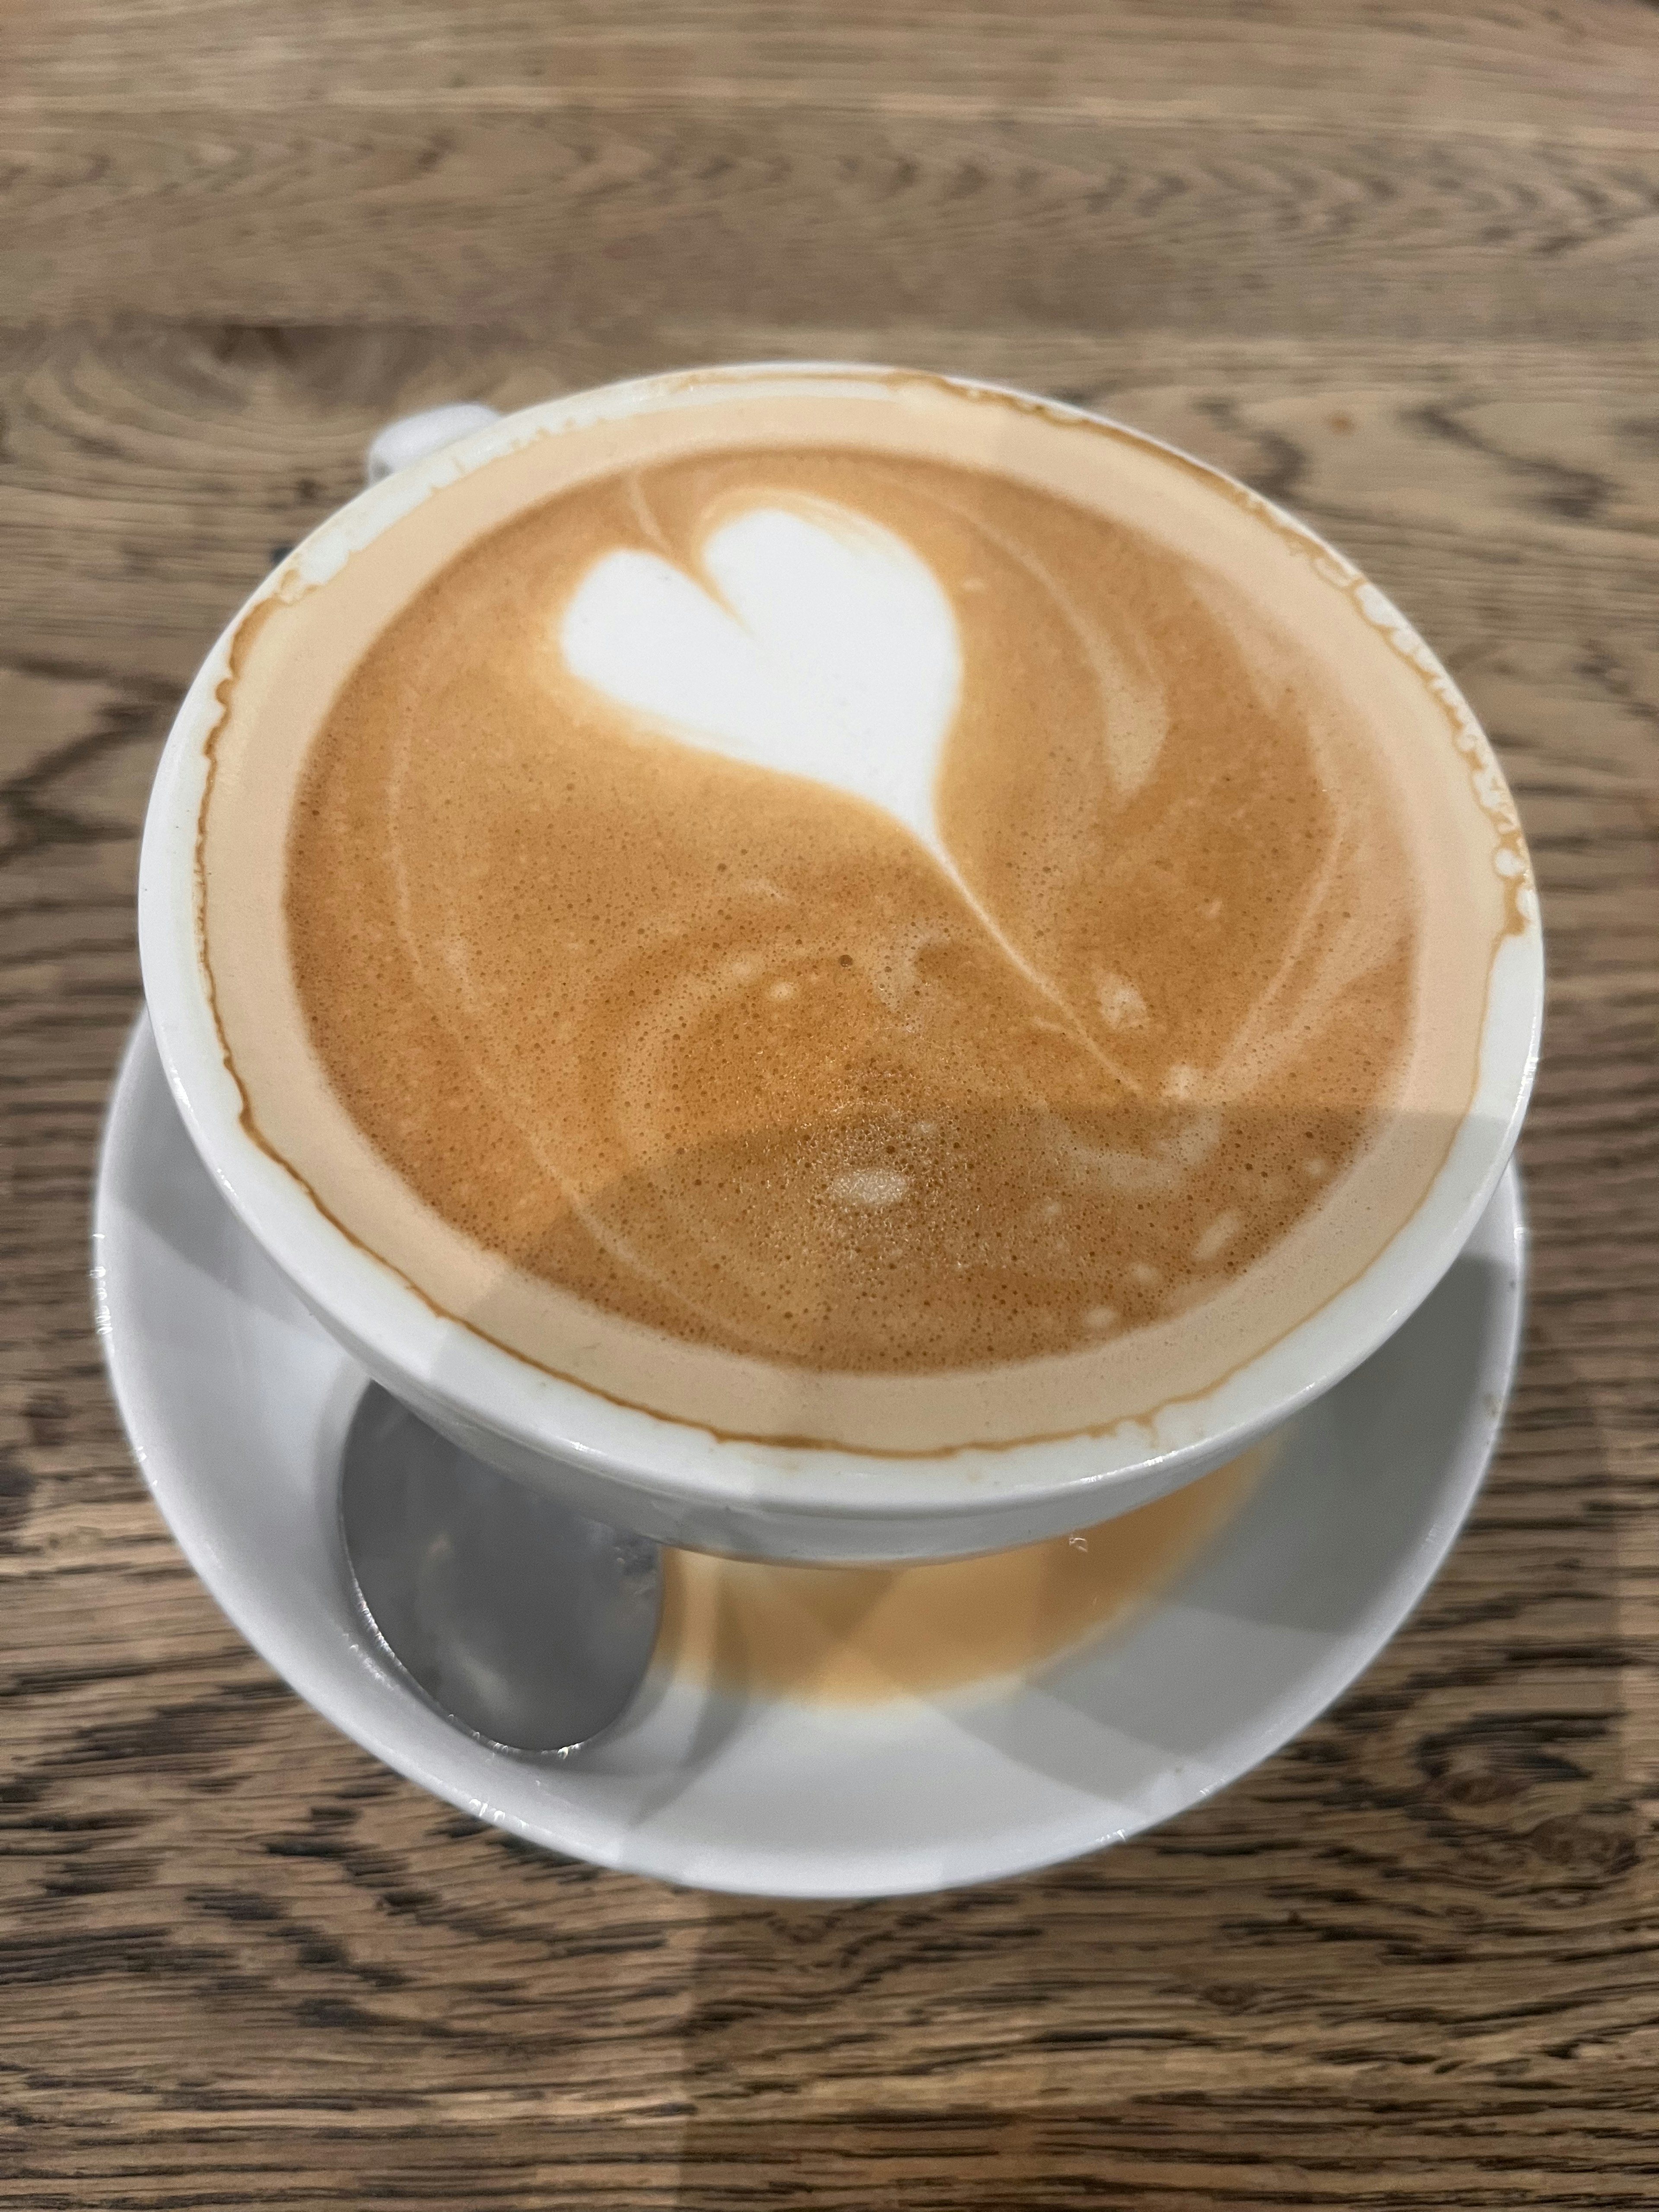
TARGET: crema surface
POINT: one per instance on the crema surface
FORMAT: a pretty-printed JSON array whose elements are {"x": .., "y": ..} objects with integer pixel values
[{"x": 804, "y": 918}]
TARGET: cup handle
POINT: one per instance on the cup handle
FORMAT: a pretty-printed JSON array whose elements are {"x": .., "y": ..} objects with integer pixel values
[{"x": 412, "y": 437}]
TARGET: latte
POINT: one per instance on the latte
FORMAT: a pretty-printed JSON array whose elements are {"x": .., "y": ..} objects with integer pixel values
[{"x": 854, "y": 913}]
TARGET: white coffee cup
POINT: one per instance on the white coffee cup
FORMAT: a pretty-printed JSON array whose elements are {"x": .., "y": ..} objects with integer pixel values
[{"x": 682, "y": 1484}]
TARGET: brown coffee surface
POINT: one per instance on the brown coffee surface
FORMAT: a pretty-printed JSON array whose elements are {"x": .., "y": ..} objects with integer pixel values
[
  {"x": 726, "y": 1052},
  {"x": 1029, "y": 1081}
]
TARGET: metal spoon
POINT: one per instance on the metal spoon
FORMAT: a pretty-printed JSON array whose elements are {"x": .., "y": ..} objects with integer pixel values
[{"x": 525, "y": 1623}]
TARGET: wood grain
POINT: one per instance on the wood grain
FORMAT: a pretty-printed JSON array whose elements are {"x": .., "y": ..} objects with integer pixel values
[{"x": 1394, "y": 266}]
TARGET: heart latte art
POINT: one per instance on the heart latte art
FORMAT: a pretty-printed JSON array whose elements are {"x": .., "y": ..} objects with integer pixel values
[
  {"x": 943, "y": 930},
  {"x": 811, "y": 642},
  {"x": 818, "y": 646}
]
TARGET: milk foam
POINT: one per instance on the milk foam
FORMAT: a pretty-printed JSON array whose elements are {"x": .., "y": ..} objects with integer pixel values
[
  {"x": 953, "y": 932},
  {"x": 820, "y": 645}
]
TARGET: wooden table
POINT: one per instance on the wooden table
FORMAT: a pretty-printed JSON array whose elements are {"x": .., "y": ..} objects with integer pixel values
[{"x": 1394, "y": 264}]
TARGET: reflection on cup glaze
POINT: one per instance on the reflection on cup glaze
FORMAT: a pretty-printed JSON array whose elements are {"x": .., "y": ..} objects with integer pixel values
[{"x": 858, "y": 1635}]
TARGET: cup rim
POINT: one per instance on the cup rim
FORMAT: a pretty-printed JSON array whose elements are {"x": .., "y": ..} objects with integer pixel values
[{"x": 451, "y": 1369}]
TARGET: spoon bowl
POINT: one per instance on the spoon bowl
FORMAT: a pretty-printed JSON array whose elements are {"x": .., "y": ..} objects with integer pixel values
[{"x": 525, "y": 1623}]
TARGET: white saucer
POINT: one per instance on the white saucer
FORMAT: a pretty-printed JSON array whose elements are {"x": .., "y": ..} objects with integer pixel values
[{"x": 237, "y": 1403}]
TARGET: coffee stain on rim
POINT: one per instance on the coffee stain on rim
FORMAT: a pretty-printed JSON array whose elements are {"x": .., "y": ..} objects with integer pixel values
[
  {"x": 249, "y": 627},
  {"x": 289, "y": 585}
]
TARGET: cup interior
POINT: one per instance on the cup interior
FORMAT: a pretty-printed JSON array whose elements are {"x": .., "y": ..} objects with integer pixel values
[{"x": 671, "y": 1479}]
